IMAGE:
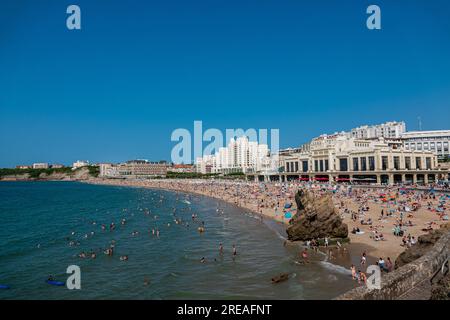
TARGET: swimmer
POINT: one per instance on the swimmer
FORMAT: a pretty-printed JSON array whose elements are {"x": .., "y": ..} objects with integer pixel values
[
  {"x": 305, "y": 255},
  {"x": 220, "y": 249},
  {"x": 234, "y": 250}
]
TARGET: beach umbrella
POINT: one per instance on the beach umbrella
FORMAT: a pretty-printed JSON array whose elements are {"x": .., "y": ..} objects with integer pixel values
[
  {"x": 287, "y": 205},
  {"x": 288, "y": 215}
]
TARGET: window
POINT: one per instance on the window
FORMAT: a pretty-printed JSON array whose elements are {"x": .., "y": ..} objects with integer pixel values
[
  {"x": 343, "y": 165},
  {"x": 384, "y": 162},
  {"x": 296, "y": 166},
  {"x": 305, "y": 166},
  {"x": 321, "y": 165},
  {"x": 363, "y": 163},
  {"x": 372, "y": 163},
  {"x": 316, "y": 165},
  {"x": 355, "y": 164},
  {"x": 428, "y": 162},
  {"x": 326, "y": 165},
  {"x": 418, "y": 163},
  {"x": 397, "y": 163},
  {"x": 408, "y": 163}
]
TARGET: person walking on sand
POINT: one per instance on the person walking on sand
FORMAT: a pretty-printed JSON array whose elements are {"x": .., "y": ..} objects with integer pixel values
[
  {"x": 353, "y": 269},
  {"x": 363, "y": 259}
]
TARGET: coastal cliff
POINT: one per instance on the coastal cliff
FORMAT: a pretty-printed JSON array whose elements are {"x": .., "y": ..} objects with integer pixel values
[
  {"x": 60, "y": 174},
  {"x": 316, "y": 218}
]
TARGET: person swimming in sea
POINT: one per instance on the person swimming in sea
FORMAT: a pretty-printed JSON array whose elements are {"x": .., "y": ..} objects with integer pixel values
[
  {"x": 220, "y": 249},
  {"x": 305, "y": 255}
]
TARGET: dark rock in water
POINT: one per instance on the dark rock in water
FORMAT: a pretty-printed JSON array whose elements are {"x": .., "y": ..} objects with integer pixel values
[
  {"x": 280, "y": 278},
  {"x": 316, "y": 218},
  {"x": 424, "y": 243}
]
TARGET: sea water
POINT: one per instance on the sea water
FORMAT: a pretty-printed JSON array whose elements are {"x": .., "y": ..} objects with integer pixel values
[{"x": 40, "y": 221}]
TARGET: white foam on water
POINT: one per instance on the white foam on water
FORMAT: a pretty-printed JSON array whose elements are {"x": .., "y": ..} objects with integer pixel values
[{"x": 335, "y": 268}]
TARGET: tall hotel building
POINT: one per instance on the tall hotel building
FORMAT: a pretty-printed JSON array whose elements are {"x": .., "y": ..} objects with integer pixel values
[{"x": 241, "y": 155}]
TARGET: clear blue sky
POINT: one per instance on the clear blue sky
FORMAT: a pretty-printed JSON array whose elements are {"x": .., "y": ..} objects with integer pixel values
[{"x": 139, "y": 69}]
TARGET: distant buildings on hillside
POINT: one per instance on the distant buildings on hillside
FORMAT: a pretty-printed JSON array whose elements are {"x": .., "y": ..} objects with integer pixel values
[{"x": 134, "y": 169}]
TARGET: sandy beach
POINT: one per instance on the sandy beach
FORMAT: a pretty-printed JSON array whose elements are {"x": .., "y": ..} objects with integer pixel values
[{"x": 375, "y": 213}]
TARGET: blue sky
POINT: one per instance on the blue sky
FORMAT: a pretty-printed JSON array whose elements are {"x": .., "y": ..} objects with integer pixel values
[{"x": 137, "y": 70}]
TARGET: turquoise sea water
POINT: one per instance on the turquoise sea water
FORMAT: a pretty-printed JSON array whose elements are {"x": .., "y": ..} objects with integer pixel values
[{"x": 38, "y": 218}]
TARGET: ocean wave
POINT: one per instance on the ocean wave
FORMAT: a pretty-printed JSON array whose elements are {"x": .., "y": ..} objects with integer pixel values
[{"x": 335, "y": 268}]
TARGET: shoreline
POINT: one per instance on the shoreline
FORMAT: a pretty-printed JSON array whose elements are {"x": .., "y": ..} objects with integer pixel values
[
  {"x": 342, "y": 258},
  {"x": 391, "y": 248},
  {"x": 141, "y": 184}
]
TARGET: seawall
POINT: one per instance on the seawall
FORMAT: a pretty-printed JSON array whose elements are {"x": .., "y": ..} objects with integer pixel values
[{"x": 402, "y": 280}]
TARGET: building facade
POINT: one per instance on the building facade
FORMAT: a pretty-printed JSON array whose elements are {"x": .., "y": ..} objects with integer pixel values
[
  {"x": 240, "y": 155},
  {"x": 388, "y": 130},
  {"x": 41, "y": 165},
  {"x": 339, "y": 158},
  {"x": 134, "y": 169},
  {"x": 435, "y": 141},
  {"x": 80, "y": 164}
]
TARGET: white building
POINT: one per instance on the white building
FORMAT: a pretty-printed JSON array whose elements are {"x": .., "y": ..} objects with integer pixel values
[
  {"x": 339, "y": 158},
  {"x": 388, "y": 130},
  {"x": 241, "y": 155},
  {"x": 205, "y": 164},
  {"x": 108, "y": 170},
  {"x": 40, "y": 165},
  {"x": 80, "y": 164},
  {"x": 436, "y": 141}
]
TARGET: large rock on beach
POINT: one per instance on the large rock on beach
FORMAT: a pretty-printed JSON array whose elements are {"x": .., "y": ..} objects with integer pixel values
[{"x": 316, "y": 218}]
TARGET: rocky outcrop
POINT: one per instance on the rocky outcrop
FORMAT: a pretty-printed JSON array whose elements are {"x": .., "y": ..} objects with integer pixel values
[
  {"x": 424, "y": 244},
  {"x": 410, "y": 277},
  {"x": 316, "y": 218},
  {"x": 55, "y": 175}
]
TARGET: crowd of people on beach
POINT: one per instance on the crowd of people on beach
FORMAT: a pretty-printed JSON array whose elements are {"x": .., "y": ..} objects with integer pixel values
[{"x": 387, "y": 219}]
